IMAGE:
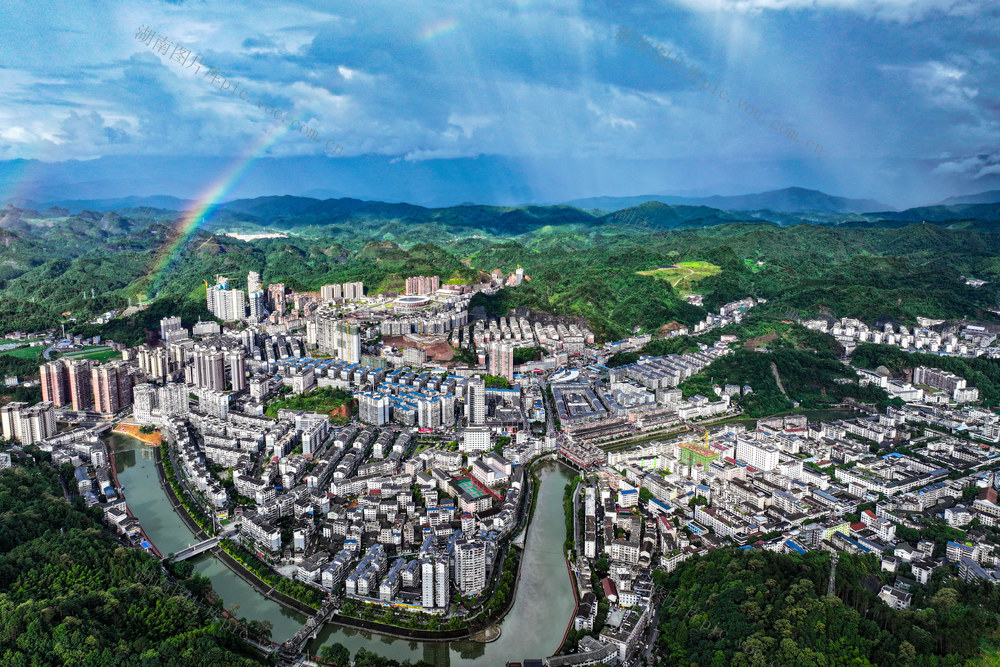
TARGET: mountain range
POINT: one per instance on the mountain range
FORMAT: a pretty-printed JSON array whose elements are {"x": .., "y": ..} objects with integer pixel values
[
  {"x": 786, "y": 200},
  {"x": 787, "y": 206}
]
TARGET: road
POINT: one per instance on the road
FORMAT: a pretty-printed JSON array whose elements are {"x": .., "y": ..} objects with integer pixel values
[
  {"x": 690, "y": 272},
  {"x": 654, "y": 631}
]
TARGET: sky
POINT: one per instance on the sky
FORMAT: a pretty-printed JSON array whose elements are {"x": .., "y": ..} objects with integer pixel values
[{"x": 895, "y": 100}]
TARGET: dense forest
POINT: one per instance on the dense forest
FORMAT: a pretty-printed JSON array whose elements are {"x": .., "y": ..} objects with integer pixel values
[
  {"x": 812, "y": 379},
  {"x": 750, "y": 607},
  {"x": 70, "y": 594}
]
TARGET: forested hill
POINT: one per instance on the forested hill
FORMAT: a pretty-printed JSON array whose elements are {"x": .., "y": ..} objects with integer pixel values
[
  {"x": 619, "y": 276},
  {"x": 71, "y": 595},
  {"x": 749, "y": 607}
]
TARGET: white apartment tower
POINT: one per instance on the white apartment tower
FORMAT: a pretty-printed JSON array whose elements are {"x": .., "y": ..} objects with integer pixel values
[
  {"x": 470, "y": 566},
  {"x": 253, "y": 282},
  {"x": 475, "y": 401},
  {"x": 28, "y": 424}
]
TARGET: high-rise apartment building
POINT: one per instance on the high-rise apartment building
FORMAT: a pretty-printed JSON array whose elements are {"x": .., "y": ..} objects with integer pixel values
[
  {"x": 173, "y": 399},
  {"x": 213, "y": 402},
  {"x": 423, "y": 284},
  {"x": 373, "y": 407},
  {"x": 434, "y": 582},
  {"x": 342, "y": 291},
  {"x": 276, "y": 296},
  {"x": 331, "y": 292},
  {"x": 112, "y": 385},
  {"x": 253, "y": 282},
  {"x": 81, "y": 392},
  {"x": 236, "y": 361},
  {"x": 470, "y": 566},
  {"x": 354, "y": 290},
  {"x": 442, "y": 579},
  {"x": 501, "y": 360},
  {"x": 209, "y": 369},
  {"x": 427, "y": 583},
  {"x": 475, "y": 401},
  {"x": 338, "y": 337},
  {"x": 256, "y": 303},
  {"x": 55, "y": 383},
  {"x": 169, "y": 324},
  {"x": 144, "y": 402},
  {"x": 429, "y": 411},
  {"x": 226, "y": 304},
  {"x": 29, "y": 424},
  {"x": 759, "y": 455},
  {"x": 155, "y": 361}
]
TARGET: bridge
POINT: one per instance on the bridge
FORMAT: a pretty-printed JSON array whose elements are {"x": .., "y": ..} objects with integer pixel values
[
  {"x": 196, "y": 549},
  {"x": 292, "y": 648}
]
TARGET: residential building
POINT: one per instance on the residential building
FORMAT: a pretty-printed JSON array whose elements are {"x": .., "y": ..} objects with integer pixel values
[
  {"x": 28, "y": 424},
  {"x": 54, "y": 378},
  {"x": 112, "y": 385},
  {"x": 470, "y": 566}
]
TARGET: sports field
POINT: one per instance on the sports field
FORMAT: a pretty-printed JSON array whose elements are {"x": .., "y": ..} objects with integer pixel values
[{"x": 470, "y": 487}]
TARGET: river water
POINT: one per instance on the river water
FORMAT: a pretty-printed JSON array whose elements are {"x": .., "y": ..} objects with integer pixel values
[{"x": 534, "y": 627}]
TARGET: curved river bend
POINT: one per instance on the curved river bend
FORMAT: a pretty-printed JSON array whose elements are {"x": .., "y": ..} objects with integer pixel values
[{"x": 543, "y": 605}]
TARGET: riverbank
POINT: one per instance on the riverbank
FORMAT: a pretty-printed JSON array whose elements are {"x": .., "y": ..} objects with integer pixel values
[
  {"x": 576, "y": 600},
  {"x": 479, "y": 625},
  {"x": 481, "y": 629},
  {"x": 175, "y": 502},
  {"x": 237, "y": 568},
  {"x": 260, "y": 585},
  {"x": 132, "y": 430}
]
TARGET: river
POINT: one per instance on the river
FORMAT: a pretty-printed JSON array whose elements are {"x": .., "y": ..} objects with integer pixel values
[{"x": 543, "y": 605}]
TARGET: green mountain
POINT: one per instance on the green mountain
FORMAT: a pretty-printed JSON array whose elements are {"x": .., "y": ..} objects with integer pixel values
[
  {"x": 600, "y": 268},
  {"x": 71, "y": 595},
  {"x": 735, "y": 607}
]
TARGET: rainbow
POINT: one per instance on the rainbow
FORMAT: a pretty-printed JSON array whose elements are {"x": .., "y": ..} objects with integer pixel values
[
  {"x": 209, "y": 200},
  {"x": 436, "y": 29}
]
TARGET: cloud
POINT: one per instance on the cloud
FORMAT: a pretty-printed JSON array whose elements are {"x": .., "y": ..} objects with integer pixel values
[
  {"x": 901, "y": 11},
  {"x": 533, "y": 81},
  {"x": 974, "y": 166},
  {"x": 941, "y": 82}
]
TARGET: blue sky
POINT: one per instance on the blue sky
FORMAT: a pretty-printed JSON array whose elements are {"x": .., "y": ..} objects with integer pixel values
[{"x": 901, "y": 94}]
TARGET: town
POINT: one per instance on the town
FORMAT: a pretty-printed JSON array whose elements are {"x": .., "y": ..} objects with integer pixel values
[{"x": 370, "y": 456}]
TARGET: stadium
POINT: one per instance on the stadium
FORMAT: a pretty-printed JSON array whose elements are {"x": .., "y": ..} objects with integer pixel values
[{"x": 406, "y": 304}]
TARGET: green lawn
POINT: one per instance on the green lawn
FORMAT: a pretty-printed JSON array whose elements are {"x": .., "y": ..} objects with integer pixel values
[
  {"x": 320, "y": 400},
  {"x": 683, "y": 275}
]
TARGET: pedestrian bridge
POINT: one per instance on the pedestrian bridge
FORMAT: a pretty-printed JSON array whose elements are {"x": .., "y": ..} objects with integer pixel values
[{"x": 195, "y": 549}]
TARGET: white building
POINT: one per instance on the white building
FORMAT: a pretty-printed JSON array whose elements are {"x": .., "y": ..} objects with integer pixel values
[
  {"x": 761, "y": 456},
  {"x": 470, "y": 566}
]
